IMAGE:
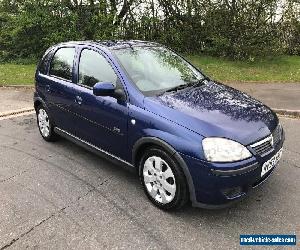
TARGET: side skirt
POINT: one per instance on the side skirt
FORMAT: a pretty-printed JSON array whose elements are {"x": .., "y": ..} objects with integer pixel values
[{"x": 94, "y": 149}]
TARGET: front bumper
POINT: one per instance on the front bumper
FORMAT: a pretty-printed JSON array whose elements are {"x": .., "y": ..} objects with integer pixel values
[{"x": 213, "y": 190}]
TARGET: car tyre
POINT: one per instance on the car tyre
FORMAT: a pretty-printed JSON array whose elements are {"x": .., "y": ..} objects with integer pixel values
[
  {"x": 163, "y": 179},
  {"x": 45, "y": 124}
]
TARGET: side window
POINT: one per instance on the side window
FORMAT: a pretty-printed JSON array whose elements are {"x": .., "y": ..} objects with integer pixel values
[
  {"x": 94, "y": 68},
  {"x": 44, "y": 63},
  {"x": 62, "y": 63}
]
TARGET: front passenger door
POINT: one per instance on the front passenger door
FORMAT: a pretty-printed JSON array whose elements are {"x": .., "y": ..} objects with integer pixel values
[{"x": 102, "y": 121}]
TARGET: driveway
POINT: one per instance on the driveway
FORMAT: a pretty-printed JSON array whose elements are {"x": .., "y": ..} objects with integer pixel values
[
  {"x": 275, "y": 95},
  {"x": 59, "y": 196}
]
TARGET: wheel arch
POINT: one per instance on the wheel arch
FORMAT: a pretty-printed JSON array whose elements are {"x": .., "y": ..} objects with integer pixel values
[
  {"x": 142, "y": 144},
  {"x": 146, "y": 142},
  {"x": 37, "y": 102}
]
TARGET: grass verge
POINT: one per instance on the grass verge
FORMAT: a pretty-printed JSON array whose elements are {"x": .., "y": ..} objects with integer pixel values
[
  {"x": 17, "y": 74},
  {"x": 278, "y": 69}
]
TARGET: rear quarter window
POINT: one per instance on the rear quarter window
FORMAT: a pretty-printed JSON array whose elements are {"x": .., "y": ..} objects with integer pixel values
[{"x": 43, "y": 66}]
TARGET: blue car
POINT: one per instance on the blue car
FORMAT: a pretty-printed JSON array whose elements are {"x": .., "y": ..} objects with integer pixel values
[{"x": 142, "y": 105}]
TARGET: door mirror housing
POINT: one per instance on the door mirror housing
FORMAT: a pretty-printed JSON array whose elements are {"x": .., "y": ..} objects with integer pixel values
[
  {"x": 108, "y": 89},
  {"x": 103, "y": 89}
]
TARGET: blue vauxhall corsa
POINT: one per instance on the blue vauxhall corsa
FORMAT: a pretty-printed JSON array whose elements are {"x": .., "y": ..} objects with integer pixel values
[{"x": 141, "y": 104}]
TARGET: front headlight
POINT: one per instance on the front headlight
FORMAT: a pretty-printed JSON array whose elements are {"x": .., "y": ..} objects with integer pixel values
[{"x": 224, "y": 150}]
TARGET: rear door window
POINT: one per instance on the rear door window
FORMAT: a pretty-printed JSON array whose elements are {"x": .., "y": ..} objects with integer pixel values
[{"x": 62, "y": 63}]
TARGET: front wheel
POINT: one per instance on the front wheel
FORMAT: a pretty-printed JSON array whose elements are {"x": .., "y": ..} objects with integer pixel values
[
  {"x": 163, "y": 180},
  {"x": 45, "y": 125}
]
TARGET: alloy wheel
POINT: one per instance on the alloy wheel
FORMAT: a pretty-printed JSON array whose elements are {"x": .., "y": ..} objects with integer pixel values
[
  {"x": 159, "y": 179},
  {"x": 44, "y": 123}
]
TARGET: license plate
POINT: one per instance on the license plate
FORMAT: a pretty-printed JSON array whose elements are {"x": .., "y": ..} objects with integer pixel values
[{"x": 271, "y": 163}]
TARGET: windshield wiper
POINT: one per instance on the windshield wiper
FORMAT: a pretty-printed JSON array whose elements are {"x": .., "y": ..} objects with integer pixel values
[
  {"x": 176, "y": 88},
  {"x": 186, "y": 85},
  {"x": 199, "y": 82}
]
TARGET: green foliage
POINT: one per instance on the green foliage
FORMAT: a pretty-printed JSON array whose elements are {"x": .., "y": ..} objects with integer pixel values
[
  {"x": 29, "y": 29},
  {"x": 237, "y": 29},
  {"x": 242, "y": 34}
]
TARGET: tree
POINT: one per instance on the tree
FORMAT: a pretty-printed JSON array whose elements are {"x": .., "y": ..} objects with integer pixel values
[{"x": 241, "y": 29}]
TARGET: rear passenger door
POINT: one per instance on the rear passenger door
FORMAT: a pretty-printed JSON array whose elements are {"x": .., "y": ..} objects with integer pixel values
[{"x": 59, "y": 88}]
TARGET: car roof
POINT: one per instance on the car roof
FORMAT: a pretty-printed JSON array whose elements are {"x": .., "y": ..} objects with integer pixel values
[{"x": 111, "y": 44}]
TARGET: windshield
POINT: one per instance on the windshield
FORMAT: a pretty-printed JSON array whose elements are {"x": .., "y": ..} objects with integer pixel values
[{"x": 155, "y": 69}]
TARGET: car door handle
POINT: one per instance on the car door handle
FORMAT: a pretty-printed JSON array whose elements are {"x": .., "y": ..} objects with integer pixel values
[{"x": 78, "y": 99}]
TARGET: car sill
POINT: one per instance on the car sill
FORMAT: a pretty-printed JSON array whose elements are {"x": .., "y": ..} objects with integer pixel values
[{"x": 90, "y": 146}]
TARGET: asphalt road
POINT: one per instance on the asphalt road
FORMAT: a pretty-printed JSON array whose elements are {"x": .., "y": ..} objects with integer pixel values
[{"x": 59, "y": 196}]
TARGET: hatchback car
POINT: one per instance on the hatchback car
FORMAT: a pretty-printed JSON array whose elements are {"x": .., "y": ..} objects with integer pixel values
[{"x": 189, "y": 138}]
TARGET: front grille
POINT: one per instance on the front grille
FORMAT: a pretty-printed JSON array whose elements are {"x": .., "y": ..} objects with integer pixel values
[
  {"x": 266, "y": 145},
  {"x": 263, "y": 148}
]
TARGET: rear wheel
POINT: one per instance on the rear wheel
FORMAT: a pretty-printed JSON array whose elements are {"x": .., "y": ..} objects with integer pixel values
[
  {"x": 163, "y": 180},
  {"x": 45, "y": 125}
]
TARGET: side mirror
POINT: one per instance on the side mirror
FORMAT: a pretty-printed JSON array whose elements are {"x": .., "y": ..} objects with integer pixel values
[
  {"x": 108, "y": 89},
  {"x": 103, "y": 89}
]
